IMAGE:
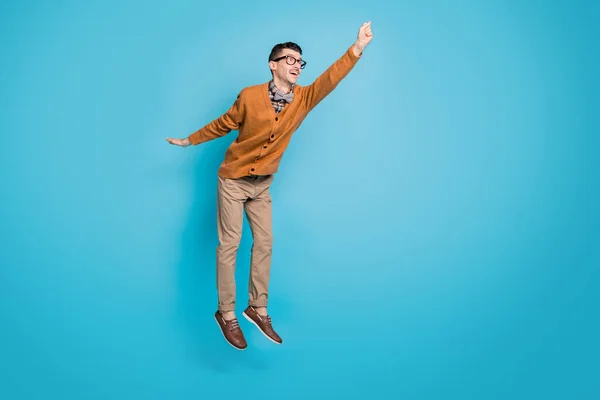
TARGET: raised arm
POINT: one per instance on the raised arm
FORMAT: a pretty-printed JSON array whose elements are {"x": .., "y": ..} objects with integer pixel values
[{"x": 329, "y": 79}]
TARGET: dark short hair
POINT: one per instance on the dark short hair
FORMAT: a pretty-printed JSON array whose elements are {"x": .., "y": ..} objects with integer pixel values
[{"x": 279, "y": 47}]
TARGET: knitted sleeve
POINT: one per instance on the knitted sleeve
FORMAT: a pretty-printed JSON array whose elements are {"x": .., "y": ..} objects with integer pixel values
[
  {"x": 329, "y": 79},
  {"x": 221, "y": 126}
]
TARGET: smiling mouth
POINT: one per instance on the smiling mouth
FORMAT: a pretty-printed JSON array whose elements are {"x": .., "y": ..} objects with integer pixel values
[{"x": 295, "y": 73}]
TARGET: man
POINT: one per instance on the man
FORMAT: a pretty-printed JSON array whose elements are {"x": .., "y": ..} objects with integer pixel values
[{"x": 266, "y": 115}]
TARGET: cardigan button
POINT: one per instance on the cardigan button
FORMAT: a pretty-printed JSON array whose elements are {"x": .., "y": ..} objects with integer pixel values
[{"x": 276, "y": 119}]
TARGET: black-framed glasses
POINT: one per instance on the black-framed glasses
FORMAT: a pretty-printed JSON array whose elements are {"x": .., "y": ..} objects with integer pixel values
[{"x": 291, "y": 60}]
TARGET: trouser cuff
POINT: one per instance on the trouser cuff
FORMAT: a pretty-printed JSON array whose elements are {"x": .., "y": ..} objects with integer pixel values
[
  {"x": 226, "y": 307},
  {"x": 258, "y": 303}
]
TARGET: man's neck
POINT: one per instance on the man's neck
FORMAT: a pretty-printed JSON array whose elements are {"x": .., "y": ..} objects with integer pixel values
[{"x": 284, "y": 87}]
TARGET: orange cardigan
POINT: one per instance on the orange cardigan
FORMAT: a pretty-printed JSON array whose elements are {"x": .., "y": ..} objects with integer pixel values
[{"x": 263, "y": 134}]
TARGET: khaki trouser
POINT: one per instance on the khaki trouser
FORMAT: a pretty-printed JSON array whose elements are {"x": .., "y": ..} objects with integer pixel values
[{"x": 233, "y": 197}]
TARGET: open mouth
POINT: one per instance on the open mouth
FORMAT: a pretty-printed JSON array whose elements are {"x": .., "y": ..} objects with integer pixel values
[{"x": 295, "y": 73}]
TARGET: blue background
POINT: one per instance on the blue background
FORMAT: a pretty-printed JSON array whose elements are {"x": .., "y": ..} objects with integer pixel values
[{"x": 437, "y": 231}]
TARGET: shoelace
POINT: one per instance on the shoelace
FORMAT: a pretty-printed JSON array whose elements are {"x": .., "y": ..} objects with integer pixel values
[
  {"x": 234, "y": 324},
  {"x": 268, "y": 319}
]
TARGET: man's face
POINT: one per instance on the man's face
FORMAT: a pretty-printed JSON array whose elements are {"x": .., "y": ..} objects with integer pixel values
[{"x": 283, "y": 70}]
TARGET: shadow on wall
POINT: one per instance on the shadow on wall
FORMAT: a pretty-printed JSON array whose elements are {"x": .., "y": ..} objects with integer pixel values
[{"x": 196, "y": 271}]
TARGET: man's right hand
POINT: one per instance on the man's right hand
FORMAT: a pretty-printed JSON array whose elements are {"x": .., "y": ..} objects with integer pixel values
[{"x": 179, "y": 142}]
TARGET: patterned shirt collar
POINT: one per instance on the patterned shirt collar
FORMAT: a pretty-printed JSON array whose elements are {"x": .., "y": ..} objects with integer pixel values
[
  {"x": 279, "y": 99},
  {"x": 274, "y": 89}
]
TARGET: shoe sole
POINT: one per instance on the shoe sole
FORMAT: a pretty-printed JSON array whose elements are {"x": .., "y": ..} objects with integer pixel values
[
  {"x": 224, "y": 337},
  {"x": 255, "y": 324}
]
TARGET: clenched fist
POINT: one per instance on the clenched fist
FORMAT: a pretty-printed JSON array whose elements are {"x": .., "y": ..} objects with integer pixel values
[{"x": 365, "y": 35}]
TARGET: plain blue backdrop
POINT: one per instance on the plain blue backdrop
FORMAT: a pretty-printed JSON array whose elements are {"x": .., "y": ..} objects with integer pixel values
[{"x": 436, "y": 217}]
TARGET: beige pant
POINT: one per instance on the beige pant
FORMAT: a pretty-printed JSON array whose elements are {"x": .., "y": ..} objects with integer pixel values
[{"x": 233, "y": 197}]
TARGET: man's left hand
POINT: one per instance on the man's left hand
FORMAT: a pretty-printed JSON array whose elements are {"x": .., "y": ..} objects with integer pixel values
[{"x": 365, "y": 35}]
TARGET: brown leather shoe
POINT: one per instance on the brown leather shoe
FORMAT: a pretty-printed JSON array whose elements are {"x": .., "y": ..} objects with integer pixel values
[
  {"x": 263, "y": 323},
  {"x": 231, "y": 331}
]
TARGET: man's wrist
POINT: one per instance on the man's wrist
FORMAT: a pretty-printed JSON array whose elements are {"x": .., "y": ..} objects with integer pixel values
[{"x": 358, "y": 47}]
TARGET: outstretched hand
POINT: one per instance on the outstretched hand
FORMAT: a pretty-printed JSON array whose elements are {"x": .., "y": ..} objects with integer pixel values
[
  {"x": 365, "y": 35},
  {"x": 179, "y": 142}
]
